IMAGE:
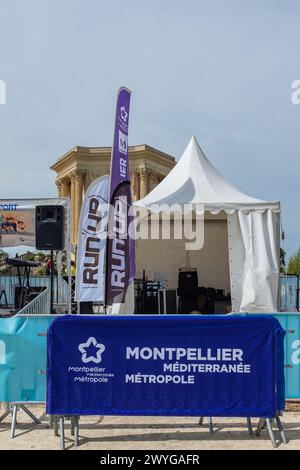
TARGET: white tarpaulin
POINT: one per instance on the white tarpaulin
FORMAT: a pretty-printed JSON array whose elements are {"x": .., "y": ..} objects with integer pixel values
[
  {"x": 253, "y": 231},
  {"x": 254, "y": 266},
  {"x": 161, "y": 259}
]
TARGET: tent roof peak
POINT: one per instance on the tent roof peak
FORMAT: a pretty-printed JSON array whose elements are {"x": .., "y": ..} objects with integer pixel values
[{"x": 195, "y": 180}]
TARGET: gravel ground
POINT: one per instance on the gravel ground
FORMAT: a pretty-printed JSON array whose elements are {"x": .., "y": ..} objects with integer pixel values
[{"x": 140, "y": 433}]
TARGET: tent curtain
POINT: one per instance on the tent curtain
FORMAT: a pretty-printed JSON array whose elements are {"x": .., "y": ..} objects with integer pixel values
[{"x": 254, "y": 260}]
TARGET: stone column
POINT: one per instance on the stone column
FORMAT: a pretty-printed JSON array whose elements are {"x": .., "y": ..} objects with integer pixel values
[
  {"x": 90, "y": 176},
  {"x": 88, "y": 180},
  {"x": 72, "y": 194},
  {"x": 78, "y": 201},
  {"x": 62, "y": 187},
  {"x": 66, "y": 188},
  {"x": 132, "y": 181},
  {"x": 143, "y": 182},
  {"x": 152, "y": 180},
  {"x": 59, "y": 187},
  {"x": 135, "y": 182}
]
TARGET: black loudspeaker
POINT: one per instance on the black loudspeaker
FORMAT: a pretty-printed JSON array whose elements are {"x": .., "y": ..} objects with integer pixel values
[
  {"x": 187, "y": 305},
  {"x": 50, "y": 227},
  {"x": 187, "y": 284}
]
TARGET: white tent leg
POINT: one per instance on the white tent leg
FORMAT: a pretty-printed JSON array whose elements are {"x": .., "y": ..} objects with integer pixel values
[
  {"x": 249, "y": 426},
  {"x": 210, "y": 425},
  {"x": 62, "y": 432}
]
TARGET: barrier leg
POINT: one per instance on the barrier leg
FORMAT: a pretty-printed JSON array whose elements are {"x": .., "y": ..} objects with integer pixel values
[
  {"x": 44, "y": 416},
  {"x": 6, "y": 413},
  {"x": 210, "y": 425},
  {"x": 31, "y": 415},
  {"x": 55, "y": 426},
  {"x": 271, "y": 433},
  {"x": 200, "y": 420},
  {"x": 50, "y": 421},
  {"x": 76, "y": 431},
  {"x": 249, "y": 426},
  {"x": 62, "y": 432},
  {"x": 260, "y": 426},
  {"x": 282, "y": 431},
  {"x": 14, "y": 421},
  {"x": 72, "y": 423}
]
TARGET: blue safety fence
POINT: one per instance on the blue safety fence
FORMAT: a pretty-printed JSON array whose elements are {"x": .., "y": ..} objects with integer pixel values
[
  {"x": 162, "y": 365},
  {"x": 23, "y": 356},
  {"x": 23, "y": 346},
  {"x": 289, "y": 293},
  {"x": 291, "y": 324}
]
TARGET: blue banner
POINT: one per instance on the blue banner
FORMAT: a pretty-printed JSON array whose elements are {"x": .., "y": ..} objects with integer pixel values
[{"x": 165, "y": 366}]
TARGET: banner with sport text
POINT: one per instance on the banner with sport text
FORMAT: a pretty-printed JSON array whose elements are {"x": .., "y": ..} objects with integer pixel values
[
  {"x": 120, "y": 256},
  {"x": 91, "y": 248},
  {"x": 165, "y": 366}
]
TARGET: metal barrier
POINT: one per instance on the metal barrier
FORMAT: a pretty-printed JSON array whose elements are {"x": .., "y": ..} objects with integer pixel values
[
  {"x": 23, "y": 358},
  {"x": 289, "y": 293},
  {"x": 289, "y": 289},
  {"x": 23, "y": 364},
  {"x": 8, "y": 283},
  {"x": 40, "y": 305},
  {"x": 291, "y": 323}
]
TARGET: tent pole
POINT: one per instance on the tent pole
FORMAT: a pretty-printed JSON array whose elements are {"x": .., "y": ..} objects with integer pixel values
[
  {"x": 68, "y": 245},
  {"x": 51, "y": 283},
  {"x": 187, "y": 258}
]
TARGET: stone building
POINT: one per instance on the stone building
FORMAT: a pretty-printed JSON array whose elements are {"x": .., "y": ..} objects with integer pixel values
[{"x": 76, "y": 169}]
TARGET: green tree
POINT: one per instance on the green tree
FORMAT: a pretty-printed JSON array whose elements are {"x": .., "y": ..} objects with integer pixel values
[{"x": 294, "y": 263}]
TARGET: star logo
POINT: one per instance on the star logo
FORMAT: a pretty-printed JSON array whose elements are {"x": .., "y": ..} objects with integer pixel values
[
  {"x": 91, "y": 351},
  {"x": 124, "y": 114}
]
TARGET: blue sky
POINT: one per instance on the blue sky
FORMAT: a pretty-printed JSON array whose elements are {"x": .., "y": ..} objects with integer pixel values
[{"x": 219, "y": 69}]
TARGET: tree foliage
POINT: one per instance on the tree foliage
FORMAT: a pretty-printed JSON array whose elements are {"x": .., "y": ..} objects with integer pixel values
[
  {"x": 282, "y": 260},
  {"x": 294, "y": 263}
]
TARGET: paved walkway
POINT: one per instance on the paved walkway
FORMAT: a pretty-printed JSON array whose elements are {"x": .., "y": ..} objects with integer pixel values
[{"x": 130, "y": 433}]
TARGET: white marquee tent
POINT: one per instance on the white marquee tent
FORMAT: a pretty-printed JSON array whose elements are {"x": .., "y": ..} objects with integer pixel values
[{"x": 241, "y": 235}]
